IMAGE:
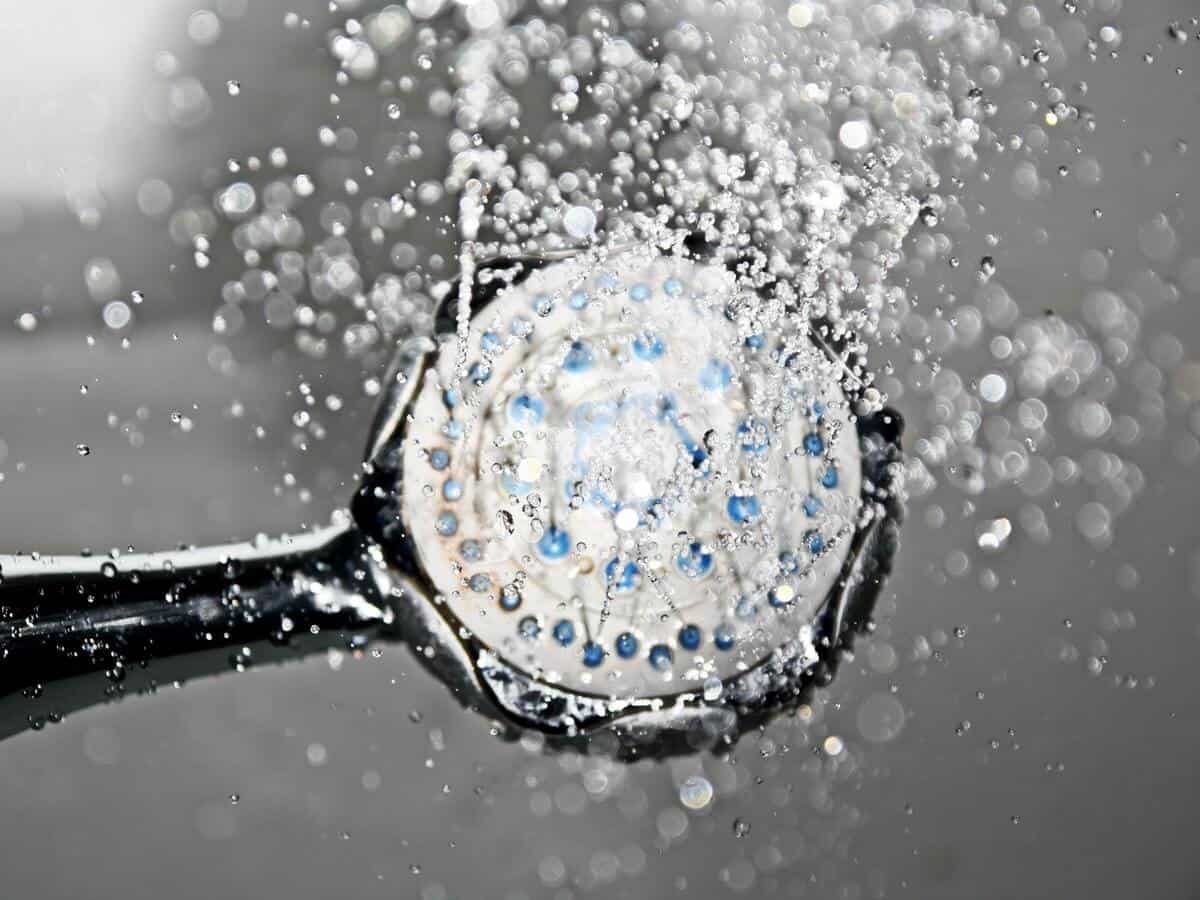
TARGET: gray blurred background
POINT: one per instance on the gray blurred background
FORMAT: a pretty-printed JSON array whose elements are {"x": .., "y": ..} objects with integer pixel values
[{"x": 1018, "y": 772}]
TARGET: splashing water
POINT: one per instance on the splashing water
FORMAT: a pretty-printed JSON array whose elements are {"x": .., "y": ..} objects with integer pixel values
[
  {"x": 826, "y": 146},
  {"x": 781, "y": 139},
  {"x": 805, "y": 142},
  {"x": 823, "y": 146},
  {"x": 825, "y": 150}
]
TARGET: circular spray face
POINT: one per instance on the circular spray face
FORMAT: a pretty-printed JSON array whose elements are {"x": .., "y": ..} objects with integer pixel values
[{"x": 619, "y": 487}]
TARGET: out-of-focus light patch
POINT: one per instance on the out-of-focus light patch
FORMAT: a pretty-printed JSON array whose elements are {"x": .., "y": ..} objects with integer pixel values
[
  {"x": 906, "y": 104},
  {"x": 237, "y": 200},
  {"x": 102, "y": 279},
  {"x": 993, "y": 535},
  {"x": 529, "y": 470},
  {"x": 204, "y": 27},
  {"x": 579, "y": 222},
  {"x": 425, "y": 9},
  {"x": 696, "y": 792},
  {"x": 800, "y": 15},
  {"x": 154, "y": 197},
  {"x": 1187, "y": 381},
  {"x": 483, "y": 14},
  {"x": 855, "y": 135},
  {"x": 993, "y": 387},
  {"x": 117, "y": 315},
  {"x": 640, "y": 487},
  {"x": 626, "y": 519},
  {"x": 72, "y": 80}
]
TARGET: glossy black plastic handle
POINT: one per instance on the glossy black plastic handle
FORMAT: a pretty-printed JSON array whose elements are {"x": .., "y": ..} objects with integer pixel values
[{"x": 62, "y": 617}]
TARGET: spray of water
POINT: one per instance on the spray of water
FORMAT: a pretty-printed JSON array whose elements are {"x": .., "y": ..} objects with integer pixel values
[
  {"x": 826, "y": 146},
  {"x": 821, "y": 147}
]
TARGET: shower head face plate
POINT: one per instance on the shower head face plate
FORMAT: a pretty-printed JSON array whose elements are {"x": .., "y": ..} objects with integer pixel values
[{"x": 620, "y": 488}]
